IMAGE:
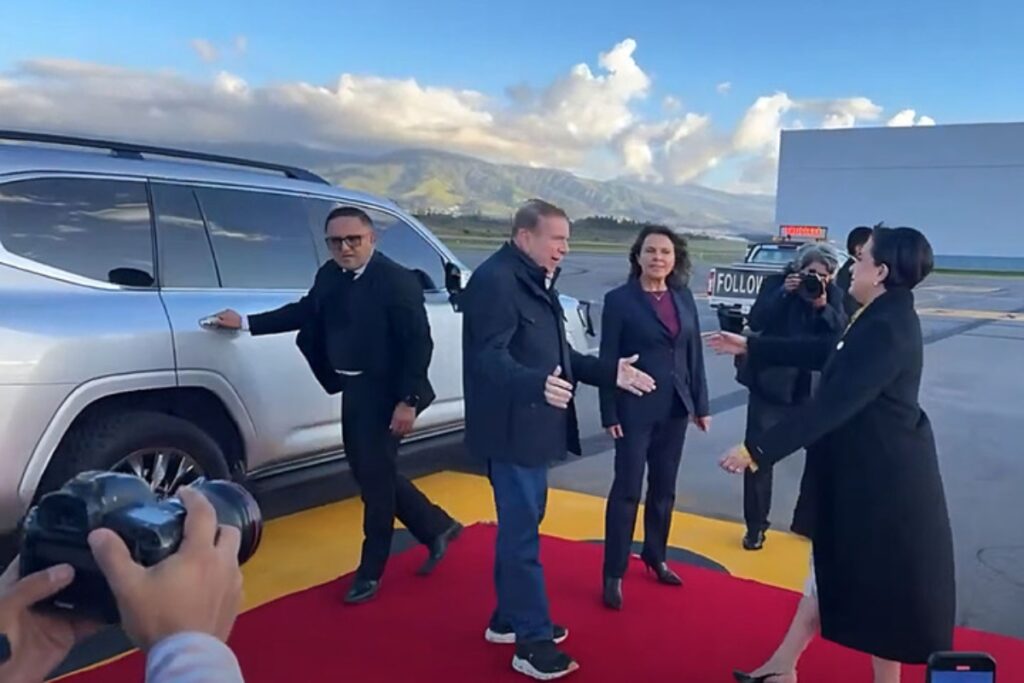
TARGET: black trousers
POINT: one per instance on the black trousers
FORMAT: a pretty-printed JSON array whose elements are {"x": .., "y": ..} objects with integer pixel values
[
  {"x": 372, "y": 452},
  {"x": 658, "y": 445},
  {"x": 757, "y": 486}
]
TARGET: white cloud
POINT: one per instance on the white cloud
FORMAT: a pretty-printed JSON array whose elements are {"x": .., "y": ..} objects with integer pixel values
[
  {"x": 909, "y": 117},
  {"x": 241, "y": 44},
  {"x": 589, "y": 120},
  {"x": 724, "y": 88},
  {"x": 206, "y": 50}
]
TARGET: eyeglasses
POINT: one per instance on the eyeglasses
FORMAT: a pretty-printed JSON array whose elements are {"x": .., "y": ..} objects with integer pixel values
[{"x": 353, "y": 241}]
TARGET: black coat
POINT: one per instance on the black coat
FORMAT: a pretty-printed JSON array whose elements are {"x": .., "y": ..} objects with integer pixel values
[
  {"x": 872, "y": 499},
  {"x": 513, "y": 337},
  {"x": 389, "y": 331},
  {"x": 777, "y": 313},
  {"x": 630, "y": 325}
]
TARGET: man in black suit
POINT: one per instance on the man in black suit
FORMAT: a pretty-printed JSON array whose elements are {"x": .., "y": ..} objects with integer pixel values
[
  {"x": 519, "y": 374},
  {"x": 364, "y": 331},
  {"x": 855, "y": 242}
]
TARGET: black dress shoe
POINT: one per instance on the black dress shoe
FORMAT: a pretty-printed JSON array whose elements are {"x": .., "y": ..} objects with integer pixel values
[
  {"x": 613, "y": 593},
  {"x": 361, "y": 591},
  {"x": 438, "y": 548},
  {"x": 664, "y": 574},
  {"x": 753, "y": 540}
]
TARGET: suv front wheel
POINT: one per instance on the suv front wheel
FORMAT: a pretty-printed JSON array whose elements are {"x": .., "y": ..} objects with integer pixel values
[{"x": 166, "y": 451}]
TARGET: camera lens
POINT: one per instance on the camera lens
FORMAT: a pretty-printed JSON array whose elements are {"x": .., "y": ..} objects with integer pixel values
[
  {"x": 235, "y": 507},
  {"x": 811, "y": 286}
]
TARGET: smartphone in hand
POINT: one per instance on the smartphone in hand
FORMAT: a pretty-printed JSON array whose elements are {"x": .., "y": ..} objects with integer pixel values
[{"x": 961, "y": 667}]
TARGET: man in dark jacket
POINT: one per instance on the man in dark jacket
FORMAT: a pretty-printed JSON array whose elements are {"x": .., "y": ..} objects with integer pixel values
[
  {"x": 787, "y": 305},
  {"x": 855, "y": 242},
  {"x": 519, "y": 374},
  {"x": 364, "y": 331}
]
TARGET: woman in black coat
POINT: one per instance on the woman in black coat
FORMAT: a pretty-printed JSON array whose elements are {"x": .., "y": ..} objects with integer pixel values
[
  {"x": 871, "y": 499},
  {"x": 653, "y": 317}
]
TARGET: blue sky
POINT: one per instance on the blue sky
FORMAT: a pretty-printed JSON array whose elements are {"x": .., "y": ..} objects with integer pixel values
[{"x": 951, "y": 61}]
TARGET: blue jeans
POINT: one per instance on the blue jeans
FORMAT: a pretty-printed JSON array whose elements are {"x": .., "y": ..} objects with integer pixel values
[{"x": 520, "y": 497}]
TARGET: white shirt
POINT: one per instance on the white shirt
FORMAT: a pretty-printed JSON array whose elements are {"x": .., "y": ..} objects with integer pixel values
[{"x": 192, "y": 658}]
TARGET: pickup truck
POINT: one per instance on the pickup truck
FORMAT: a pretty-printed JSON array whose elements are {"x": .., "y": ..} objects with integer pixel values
[{"x": 732, "y": 289}]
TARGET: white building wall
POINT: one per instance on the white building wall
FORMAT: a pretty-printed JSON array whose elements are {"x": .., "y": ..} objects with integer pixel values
[{"x": 962, "y": 185}]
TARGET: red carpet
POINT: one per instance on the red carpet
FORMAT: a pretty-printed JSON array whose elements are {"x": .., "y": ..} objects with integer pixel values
[{"x": 431, "y": 629}]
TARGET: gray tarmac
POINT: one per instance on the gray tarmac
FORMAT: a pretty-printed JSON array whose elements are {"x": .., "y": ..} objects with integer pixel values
[{"x": 973, "y": 391}]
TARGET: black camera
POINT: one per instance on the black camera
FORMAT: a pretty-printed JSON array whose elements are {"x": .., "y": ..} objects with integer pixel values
[
  {"x": 812, "y": 286},
  {"x": 57, "y": 528}
]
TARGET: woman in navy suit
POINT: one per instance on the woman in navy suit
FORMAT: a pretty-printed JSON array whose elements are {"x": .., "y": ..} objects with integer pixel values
[{"x": 653, "y": 316}]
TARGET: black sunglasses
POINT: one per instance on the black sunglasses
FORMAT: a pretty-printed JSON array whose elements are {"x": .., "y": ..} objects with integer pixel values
[{"x": 353, "y": 241}]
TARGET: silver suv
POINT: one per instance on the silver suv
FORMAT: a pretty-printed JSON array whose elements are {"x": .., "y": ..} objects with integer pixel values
[{"x": 112, "y": 253}]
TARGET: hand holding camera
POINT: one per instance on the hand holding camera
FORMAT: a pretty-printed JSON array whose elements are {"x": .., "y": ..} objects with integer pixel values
[
  {"x": 809, "y": 286},
  {"x": 32, "y": 643},
  {"x": 197, "y": 589},
  {"x": 158, "y": 567}
]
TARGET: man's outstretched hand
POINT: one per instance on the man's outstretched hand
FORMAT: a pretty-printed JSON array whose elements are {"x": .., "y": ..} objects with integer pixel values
[{"x": 632, "y": 380}]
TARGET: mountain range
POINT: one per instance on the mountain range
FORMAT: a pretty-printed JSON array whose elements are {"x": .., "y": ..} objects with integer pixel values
[
  {"x": 429, "y": 181},
  {"x": 424, "y": 181}
]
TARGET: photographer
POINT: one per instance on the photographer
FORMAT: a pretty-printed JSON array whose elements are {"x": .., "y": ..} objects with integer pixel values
[
  {"x": 178, "y": 612},
  {"x": 802, "y": 301}
]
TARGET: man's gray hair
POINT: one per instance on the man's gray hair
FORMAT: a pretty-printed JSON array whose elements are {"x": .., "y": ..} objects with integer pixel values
[{"x": 817, "y": 252}]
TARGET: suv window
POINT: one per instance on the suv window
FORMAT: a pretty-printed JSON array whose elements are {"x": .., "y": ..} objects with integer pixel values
[
  {"x": 186, "y": 257},
  {"x": 99, "y": 229},
  {"x": 405, "y": 244},
  {"x": 260, "y": 240}
]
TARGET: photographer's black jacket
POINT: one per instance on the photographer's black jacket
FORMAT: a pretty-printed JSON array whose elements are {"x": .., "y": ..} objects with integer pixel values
[
  {"x": 376, "y": 324},
  {"x": 777, "y": 313}
]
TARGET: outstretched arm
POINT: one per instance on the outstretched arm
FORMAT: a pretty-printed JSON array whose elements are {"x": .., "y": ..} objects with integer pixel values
[{"x": 861, "y": 373}]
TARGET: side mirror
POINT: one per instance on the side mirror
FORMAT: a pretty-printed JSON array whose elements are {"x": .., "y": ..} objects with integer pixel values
[
  {"x": 454, "y": 282},
  {"x": 453, "y": 278}
]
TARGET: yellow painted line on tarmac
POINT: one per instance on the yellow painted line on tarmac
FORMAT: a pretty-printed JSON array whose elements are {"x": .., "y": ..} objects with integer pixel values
[
  {"x": 967, "y": 314},
  {"x": 315, "y": 546}
]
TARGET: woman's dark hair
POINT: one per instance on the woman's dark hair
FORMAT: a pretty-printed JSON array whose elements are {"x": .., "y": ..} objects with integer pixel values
[
  {"x": 906, "y": 252},
  {"x": 681, "y": 273}
]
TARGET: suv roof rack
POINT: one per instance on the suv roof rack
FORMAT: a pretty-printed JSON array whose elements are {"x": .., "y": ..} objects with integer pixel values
[{"x": 130, "y": 150}]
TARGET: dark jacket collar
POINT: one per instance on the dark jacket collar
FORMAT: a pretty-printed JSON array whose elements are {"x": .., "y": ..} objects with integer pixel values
[
  {"x": 892, "y": 299},
  {"x": 526, "y": 266}
]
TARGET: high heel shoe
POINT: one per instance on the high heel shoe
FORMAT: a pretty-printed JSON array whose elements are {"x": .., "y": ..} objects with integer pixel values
[
  {"x": 664, "y": 574},
  {"x": 764, "y": 678},
  {"x": 613, "y": 593}
]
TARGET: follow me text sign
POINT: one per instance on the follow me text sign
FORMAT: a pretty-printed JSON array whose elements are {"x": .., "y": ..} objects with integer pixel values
[{"x": 737, "y": 283}]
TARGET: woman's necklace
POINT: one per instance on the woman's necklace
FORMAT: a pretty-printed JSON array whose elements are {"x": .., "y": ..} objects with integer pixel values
[{"x": 658, "y": 294}]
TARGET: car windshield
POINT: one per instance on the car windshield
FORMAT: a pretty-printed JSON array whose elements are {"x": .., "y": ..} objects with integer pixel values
[{"x": 771, "y": 254}]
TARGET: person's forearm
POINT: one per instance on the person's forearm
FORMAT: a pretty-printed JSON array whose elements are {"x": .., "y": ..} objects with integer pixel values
[{"x": 192, "y": 658}]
